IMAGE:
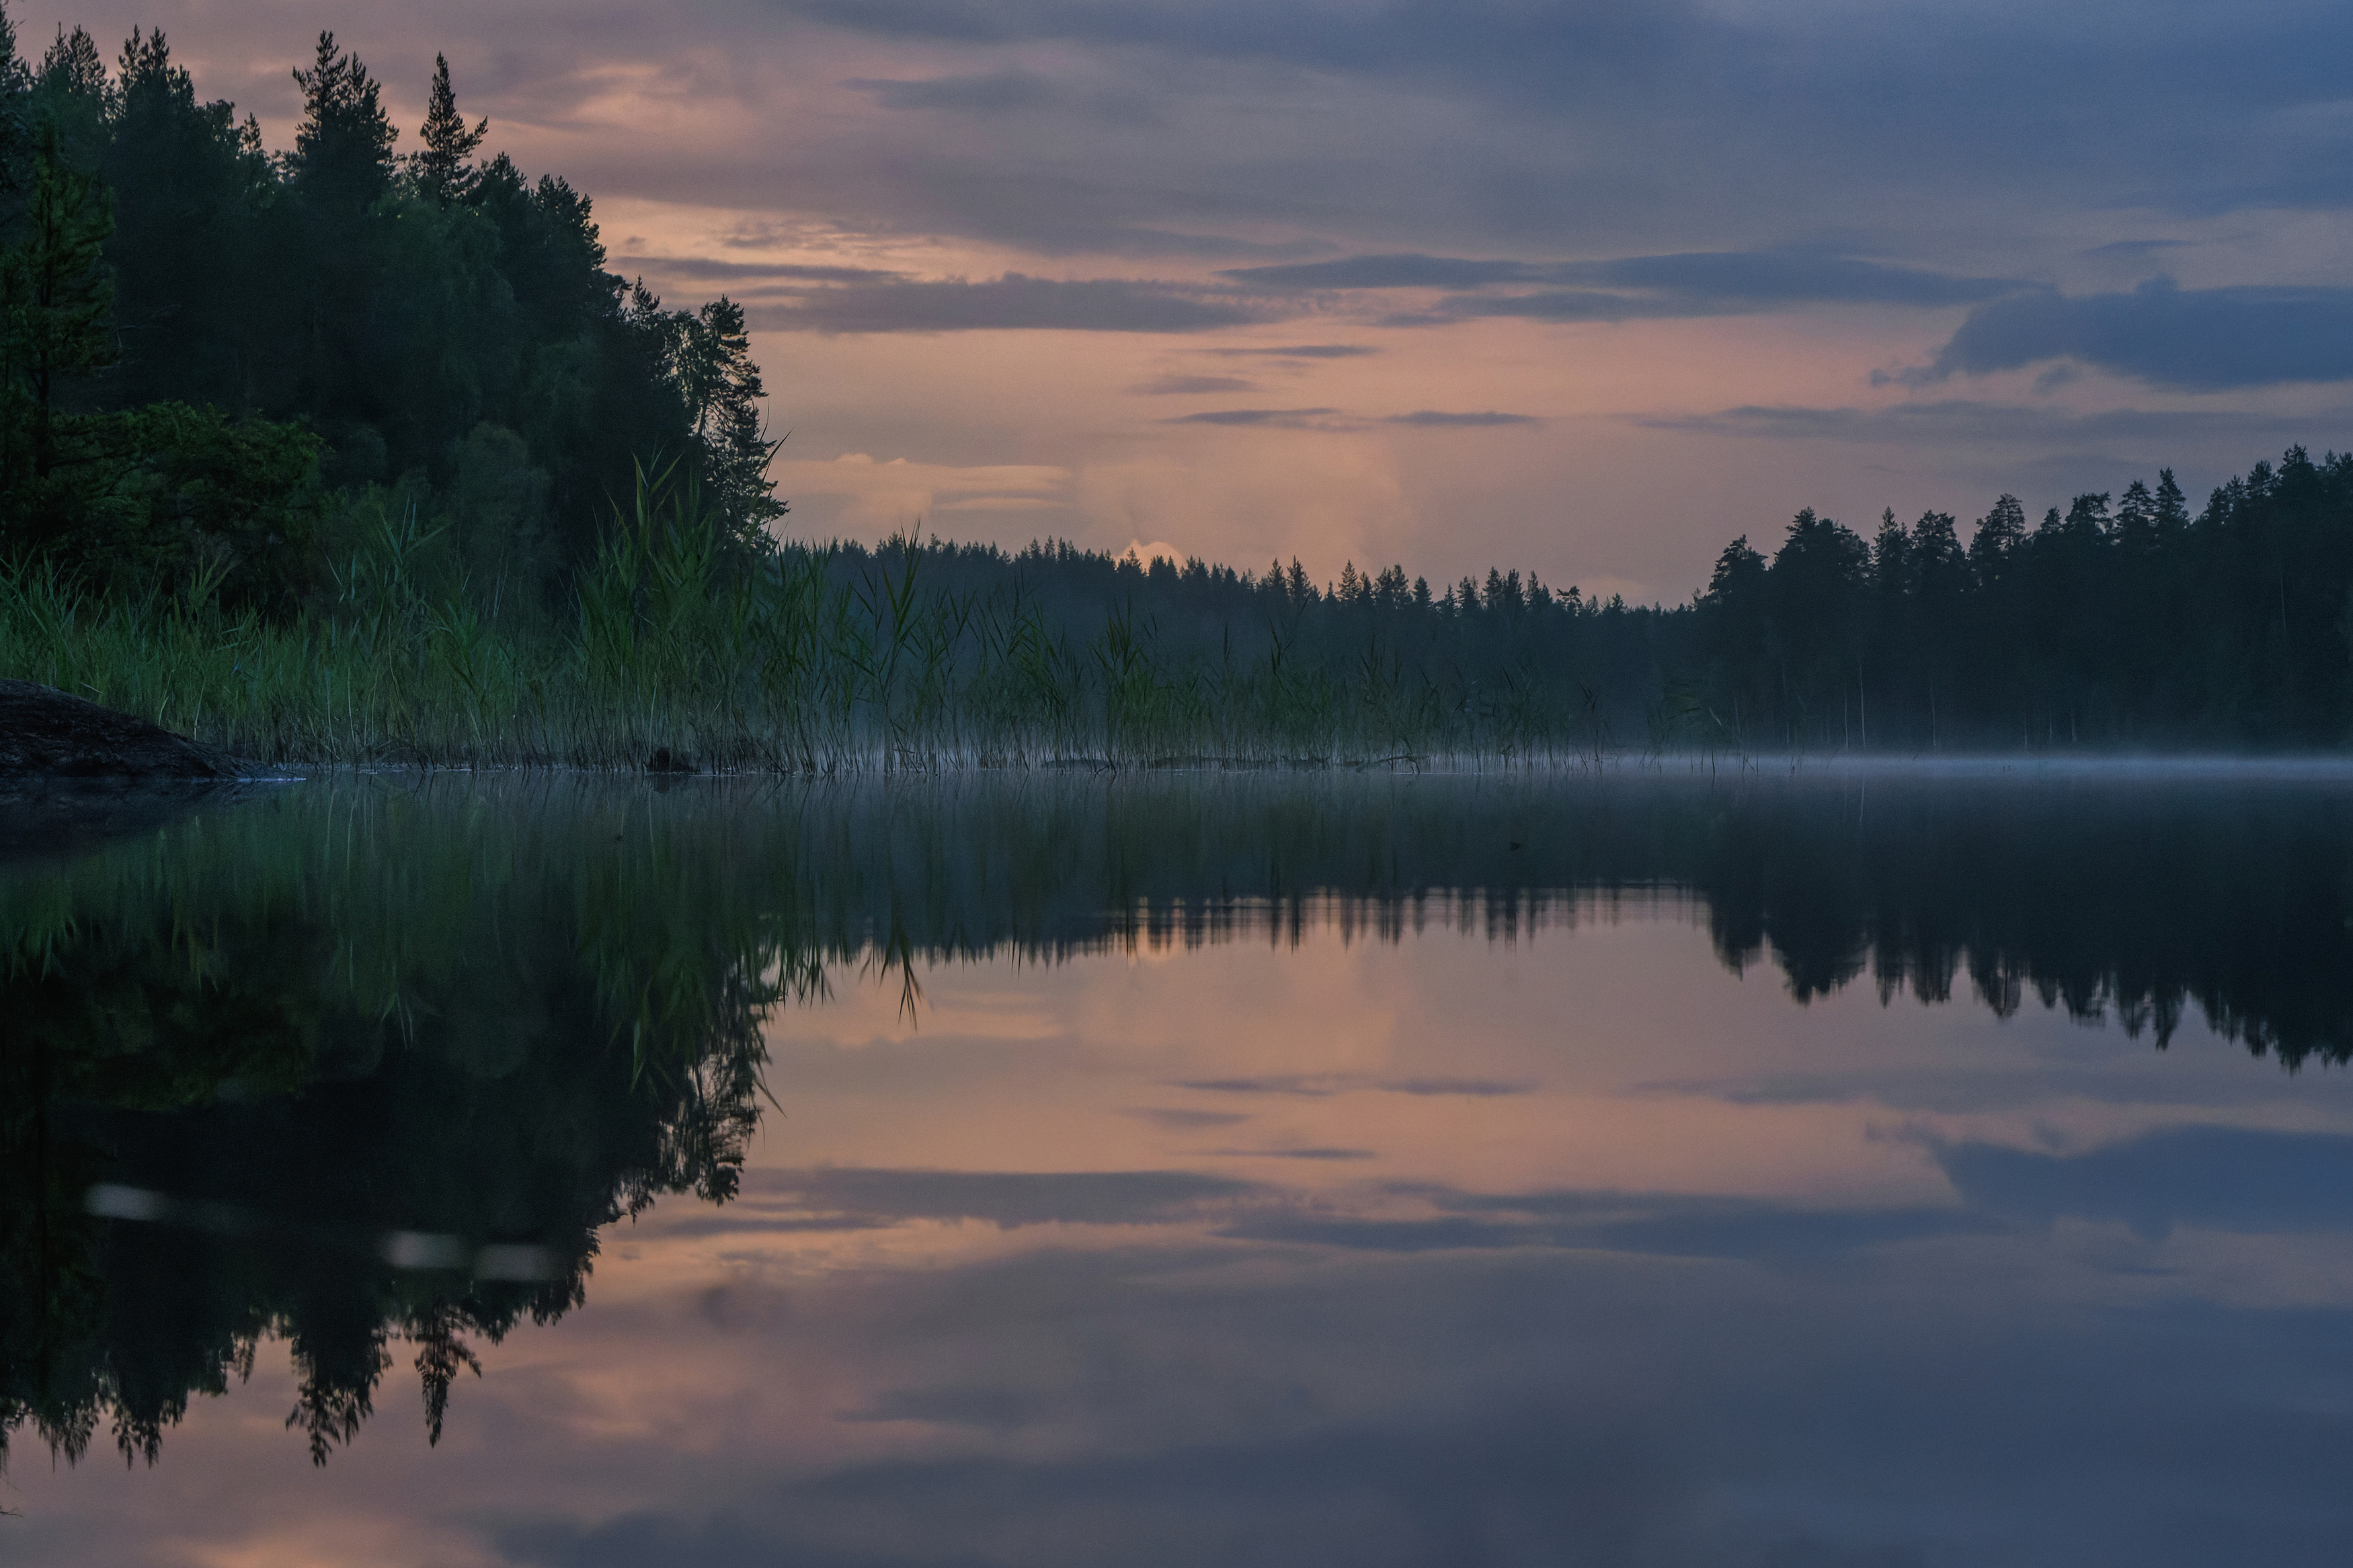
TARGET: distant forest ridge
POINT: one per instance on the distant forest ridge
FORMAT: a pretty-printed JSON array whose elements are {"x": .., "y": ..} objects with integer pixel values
[{"x": 2123, "y": 621}]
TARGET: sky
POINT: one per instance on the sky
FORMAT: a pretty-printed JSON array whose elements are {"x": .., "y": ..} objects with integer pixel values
[{"x": 1585, "y": 289}]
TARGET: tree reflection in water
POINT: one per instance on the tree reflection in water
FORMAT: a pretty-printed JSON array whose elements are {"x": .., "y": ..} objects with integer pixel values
[{"x": 363, "y": 1066}]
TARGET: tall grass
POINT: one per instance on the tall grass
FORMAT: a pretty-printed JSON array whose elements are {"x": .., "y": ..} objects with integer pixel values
[{"x": 676, "y": 650}]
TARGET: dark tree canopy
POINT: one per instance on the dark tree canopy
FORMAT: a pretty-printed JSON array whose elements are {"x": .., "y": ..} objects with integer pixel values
[{"x": 436, "y": 325}]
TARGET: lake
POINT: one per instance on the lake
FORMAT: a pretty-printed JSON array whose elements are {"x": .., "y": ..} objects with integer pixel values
[{"x": 1837, "y": 1166}]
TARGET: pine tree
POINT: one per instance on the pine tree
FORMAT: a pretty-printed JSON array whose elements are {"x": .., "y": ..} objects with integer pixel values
[
  {"x": 71, "y": 89},
  {"x": 74, "y": 69},
  {"x": 444, "y": 170},
  {"x": 2137, "y": 520},
  {"x": 342, "y": 151},
  {"x": 1999, "y": 532}
]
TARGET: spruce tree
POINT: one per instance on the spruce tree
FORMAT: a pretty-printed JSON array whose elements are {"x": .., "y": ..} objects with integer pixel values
[
  {"x": 2172, "y": 514},
  {"x": 444, "y": 170},
  {"x": 1891, "y": 556}
]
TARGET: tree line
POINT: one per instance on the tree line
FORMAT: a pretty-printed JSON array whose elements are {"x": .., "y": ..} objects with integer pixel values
[
  {"x": 2130, "y": 624},
  {"x": 2124, "y": 621},
  {"x": 210, "y": 350}
]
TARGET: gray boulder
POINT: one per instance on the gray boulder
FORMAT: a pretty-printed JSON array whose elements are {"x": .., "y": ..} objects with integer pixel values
[{"x": 46, "y": 733}]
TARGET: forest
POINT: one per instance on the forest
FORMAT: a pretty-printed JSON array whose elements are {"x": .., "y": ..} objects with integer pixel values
[
  {"x": 216, "y": 357},
  {"x": 352, "y": 453}
]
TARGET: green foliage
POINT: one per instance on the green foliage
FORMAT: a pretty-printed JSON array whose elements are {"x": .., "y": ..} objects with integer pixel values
[
  {"x": 56, "y": 298},
  {"x": 156, "y": 498}
]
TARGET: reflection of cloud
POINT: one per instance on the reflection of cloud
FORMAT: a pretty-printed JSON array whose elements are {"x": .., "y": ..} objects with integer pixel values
[
  {"x": 852, "y": 1198},
  {"x": 1318, "y": 1086},
  {"x": 1439, "y": 1491},
  {"x": 2235, "y": 1179},
  {"x": 1333, "y": 421},
  {"x": 1665, "y": 1225}
]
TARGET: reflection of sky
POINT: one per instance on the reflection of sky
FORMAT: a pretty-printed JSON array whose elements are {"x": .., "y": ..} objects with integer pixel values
[{"x": 1575, "y": 1249}]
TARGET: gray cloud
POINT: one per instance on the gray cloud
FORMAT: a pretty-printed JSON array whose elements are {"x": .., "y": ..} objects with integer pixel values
[
  {"x": 1280, "y": 418},
  {"x": 2200, "y": 339},
  {"x": 1300, "y": 351},
  {"x": 1694, "y": 282},
  {"x": 1576, "y": 41},
  {"x": 1015, "y": 301},
  {"x": 1180, "y": 1119},
  {"x": 1406, "y": 270},
  {"x": 1180, "y": 385},
  {"x": 1479, "y": 1088},
  {"x": 989, "y": 93},
  {"x": 1950, "y": 420},
  {"x": 1432, "y": 418},
  {"x": 1305, "y": 1153},
  {"x": 706, "y": 269},
  {"x": 1766, "y": 278}
]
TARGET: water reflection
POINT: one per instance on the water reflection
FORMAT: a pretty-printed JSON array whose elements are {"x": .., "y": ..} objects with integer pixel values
[
  {"x": 343, "y": 1068},
  {"x": 1362, "y": 1155}
]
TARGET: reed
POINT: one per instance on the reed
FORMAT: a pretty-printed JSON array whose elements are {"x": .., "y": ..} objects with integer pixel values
[{"x": 678, "y": 649}]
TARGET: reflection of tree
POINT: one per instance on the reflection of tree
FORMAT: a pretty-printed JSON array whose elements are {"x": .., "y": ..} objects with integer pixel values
[
  {"x": 336, "y": 1055},
  {"x": 2135, "y": 899},
  {"x": 359, "y": 1040},
  {"x": 2138, "y": 897}
]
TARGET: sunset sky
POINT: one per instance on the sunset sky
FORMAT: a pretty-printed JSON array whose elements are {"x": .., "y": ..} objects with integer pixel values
[{"x": 1584, "y": 288}]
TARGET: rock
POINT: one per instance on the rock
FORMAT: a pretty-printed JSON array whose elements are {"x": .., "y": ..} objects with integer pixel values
[{"x": 46, "y": 733}]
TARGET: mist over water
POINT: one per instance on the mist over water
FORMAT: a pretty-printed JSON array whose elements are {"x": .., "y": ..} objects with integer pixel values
[{"x": 1761, "y": 1164}]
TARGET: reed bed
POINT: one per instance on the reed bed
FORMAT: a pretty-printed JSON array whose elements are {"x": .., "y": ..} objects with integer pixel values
[{"x": 678, "y": 649}]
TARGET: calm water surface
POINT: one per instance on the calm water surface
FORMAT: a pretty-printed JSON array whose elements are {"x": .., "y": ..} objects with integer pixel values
[{"x": 1747, "y": 1171}]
